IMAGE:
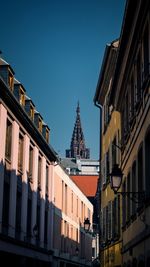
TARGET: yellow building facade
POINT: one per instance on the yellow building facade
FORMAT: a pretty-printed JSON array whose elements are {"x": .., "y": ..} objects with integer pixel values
[
  {"x": 110, "y": 220},
  {"x": 131, "y": 97}
]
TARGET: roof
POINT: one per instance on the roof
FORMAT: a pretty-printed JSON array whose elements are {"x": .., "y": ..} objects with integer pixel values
[
  {"x": 107, "y": 63},
  {"x": 4, "y": 63},
  {"x": 86, "y": 183},
  {"x": 69, "y": 162}
]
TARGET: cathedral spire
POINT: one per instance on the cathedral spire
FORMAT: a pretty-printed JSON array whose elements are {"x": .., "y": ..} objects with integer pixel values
[
  {"x": 78, "y": 109},
  {"x": 77, "y": 145}
]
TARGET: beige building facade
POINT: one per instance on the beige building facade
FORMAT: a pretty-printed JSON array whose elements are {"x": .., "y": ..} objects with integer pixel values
[{"x": 42, "y": 211}]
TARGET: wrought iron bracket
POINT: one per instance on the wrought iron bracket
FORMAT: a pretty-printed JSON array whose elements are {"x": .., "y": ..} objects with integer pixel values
[{"x": 137, "y": 197}]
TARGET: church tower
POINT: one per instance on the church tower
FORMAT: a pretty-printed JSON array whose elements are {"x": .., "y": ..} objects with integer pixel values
[{"x": 77, "y": 145}]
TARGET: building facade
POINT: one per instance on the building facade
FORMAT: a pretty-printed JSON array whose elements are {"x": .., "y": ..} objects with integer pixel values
[
  {"x": 110, "y": 213},
  {"x": 77, "y": 166},
  {"x": 129, "y": 100},
  {"x": 131, "y": 97},
  {"x": 42, "y": 211}
]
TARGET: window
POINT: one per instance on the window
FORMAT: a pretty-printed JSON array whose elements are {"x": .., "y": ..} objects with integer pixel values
[
  {"x": 66, "y": 199},
  {"x": 133, "y": 186},
  {"x": 29, "y": 212},
  {"x": 38, "y": 216},
  {"x": 138, "y": 76},
  {"x": 47, "y": 135},
  {"x": 47, "y": 173},
  {"x": 124, "y": 205},
  {"x": 8, "y": 140},
  {"x": 109, "y": 220},
  {"x": 39, "y": 172},
  {"x": 146, "y": 51},
  {"x": 5, "y": 214},
  {"x": 123, "y": 125},
  {"x": 114, "y": 152},
  {"x": 62, "y": 200},
  {"x": 72, "y": 201},
  {"x": 77, "y": 235},
  {"x": 30, "y": 162},
  {"x": 132, "y": 99},
  {"x": 40, "y": 125},
  {"x": 18, "y": 213},
  {"x": 77, "y": 207},
  {"x": 82, "y": 218},
  {"x": 147, "y": 164},
  {"x": 32, "y": 112},
  {"x": 89, "y": 214},
  {"x": 126, "y": 113},
  {"x": 22, "y": 97},
  {"x": 107, "y": 165},
  {"x": 128, "y": 199},
  {"x": 140, "y": 169},
  {"x": 104, "y": 223},
  {"x": 104, "y": 169},
  {"x": 106, "y": 116},
  {"x": 116, "y": 211},
  {"x": 11, "y": 81},
  {"x": 65, "y": 235},
  {"x": 20, "y": 153},
  {"x": 45, "y": 226}
]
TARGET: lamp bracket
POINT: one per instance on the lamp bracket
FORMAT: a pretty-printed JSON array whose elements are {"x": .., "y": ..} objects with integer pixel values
[
  {"x": 137, "y": 197},
  {"x": 119, "y": 147}
]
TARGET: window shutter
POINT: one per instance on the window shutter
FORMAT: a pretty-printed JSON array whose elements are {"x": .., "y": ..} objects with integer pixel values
[
  {"x": 118, "y": 215},
  {"x": 110, "y": 158},
  {"x": 107, "y": 224},
  {"x": 101, "y": 222},
  {"x": 112, "y": 222},
  {"x": 105, "y": 168},
  {"x": 104, "y": 223},
  {"x": 109, "y": 220},
  {"x": 102, "y": 170},
  {"x": 117, "y": 150}
]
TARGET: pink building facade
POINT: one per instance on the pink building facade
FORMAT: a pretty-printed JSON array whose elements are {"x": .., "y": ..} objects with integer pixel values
[{"x": 42, "y": 211}]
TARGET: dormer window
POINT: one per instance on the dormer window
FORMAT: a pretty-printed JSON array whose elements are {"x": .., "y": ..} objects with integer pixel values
[
  {"x": 29, "y": 108},
  {"x": 40, "y": 125},
  {"x": 7, "y": 74},
  {"x": 32, "y": 112},
  {"x": 47, "y": 135},
  {"x": 38, "y": 120},
  {"x": 22, "y": 97},
  {"x": 11, "y": 81},
  {"x": 45, "y": 132}
]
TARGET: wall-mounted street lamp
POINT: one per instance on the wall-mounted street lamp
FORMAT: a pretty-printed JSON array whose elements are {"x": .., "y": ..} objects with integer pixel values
[
  {"x": 115, "y": 183},
  {"x": 35, "y": 230},
  {"x": 87, "y": 225},
  {"x": 77, "y": 251},
  {"x": 116, "y": 178}
]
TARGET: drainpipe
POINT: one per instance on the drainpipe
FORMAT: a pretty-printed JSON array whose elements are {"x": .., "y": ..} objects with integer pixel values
[{"x": 100, "y": 153}]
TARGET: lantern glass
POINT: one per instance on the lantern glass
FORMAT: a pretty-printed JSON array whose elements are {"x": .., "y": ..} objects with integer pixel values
[
  {"x": 116, "y": 178},
  {"x": 86, "y": 225},
  {"x": 35, "y": 230}
]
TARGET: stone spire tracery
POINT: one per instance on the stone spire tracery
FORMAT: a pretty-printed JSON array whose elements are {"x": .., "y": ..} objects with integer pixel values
[{"x": 77, "y": 145}]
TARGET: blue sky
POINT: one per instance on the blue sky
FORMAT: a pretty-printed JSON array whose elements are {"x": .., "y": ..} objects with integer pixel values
[{"x": 56, "y": 49}]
